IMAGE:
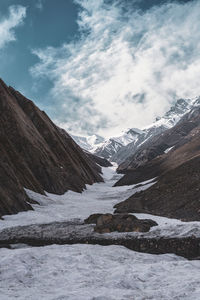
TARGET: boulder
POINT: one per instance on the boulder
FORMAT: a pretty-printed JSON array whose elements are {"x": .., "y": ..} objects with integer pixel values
[
  {"x": 92, "y": 219},
  {"x": 106, "y": 223}
]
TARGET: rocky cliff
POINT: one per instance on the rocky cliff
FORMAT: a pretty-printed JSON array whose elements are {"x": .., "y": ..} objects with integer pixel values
[{"x": 36, "y": 154}]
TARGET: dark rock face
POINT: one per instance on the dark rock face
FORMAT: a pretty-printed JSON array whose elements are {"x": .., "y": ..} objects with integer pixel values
[
  {"x": 175, "y": 195},
  {"x": 36, "y": 154},
  {"x": 99, "y": 160},
  {"x": 106, "y": 223}
]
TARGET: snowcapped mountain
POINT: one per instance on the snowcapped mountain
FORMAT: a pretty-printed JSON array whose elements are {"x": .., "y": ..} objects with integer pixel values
[
  {"x": 110, "y": 147},
  {"x": 117, "y": 149},
  {"x": 174, "y": 114},
  {"x": 89, "y": 143}
]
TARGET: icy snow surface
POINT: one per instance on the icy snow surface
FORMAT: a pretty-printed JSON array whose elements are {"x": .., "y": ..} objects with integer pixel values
[
  {"x": 78, "y": 272},
  {"x": 168, "y": 149},
  {"x": 85, "y": 272}
]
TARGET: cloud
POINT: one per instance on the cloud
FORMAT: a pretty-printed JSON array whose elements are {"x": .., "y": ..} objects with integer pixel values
[
  {"x": 39, "y": 4},
  {"x": 126, "y": 68},
  {"x": 15, "y": 18}
]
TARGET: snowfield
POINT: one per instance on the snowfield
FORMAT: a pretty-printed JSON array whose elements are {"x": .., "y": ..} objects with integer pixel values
[
  {"x": 85, "y": 272},
  {"x": 91, "y": 271}
]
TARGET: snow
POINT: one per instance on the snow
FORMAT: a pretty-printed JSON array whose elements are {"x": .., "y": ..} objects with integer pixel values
[
  {"x": 89, "y": 143},
  {"x": 128, "y": 136},
  {"x": 168, "y": 149},
  {"x": 85, "y": 272},
  {"x": 170, "y": 227}
]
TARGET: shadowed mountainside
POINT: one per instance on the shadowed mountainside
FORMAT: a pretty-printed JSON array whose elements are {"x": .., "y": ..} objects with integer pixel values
[
  {"x": 36, "y": 154},
  {"x": 176, "y": 193},
  {"x": 164, "y": 151}
]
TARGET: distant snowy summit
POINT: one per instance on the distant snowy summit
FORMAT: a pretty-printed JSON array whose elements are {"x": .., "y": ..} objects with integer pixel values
[
  {"x": 89, "y": 143},
  {"x": 118, "y": 148}
]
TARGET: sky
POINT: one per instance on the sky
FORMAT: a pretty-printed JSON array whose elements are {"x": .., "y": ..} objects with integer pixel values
[{"x": 101, "y": 66}]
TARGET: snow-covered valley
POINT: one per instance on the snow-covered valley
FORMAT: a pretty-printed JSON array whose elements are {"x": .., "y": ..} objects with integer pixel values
[
  {"x": 97, "y": 198},
  {"x": 94, "y": 271}
]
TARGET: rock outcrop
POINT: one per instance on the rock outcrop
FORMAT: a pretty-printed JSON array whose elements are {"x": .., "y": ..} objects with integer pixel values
[
  {"x": 106, "y": 223},
  {"x": 36, "y": 154}
]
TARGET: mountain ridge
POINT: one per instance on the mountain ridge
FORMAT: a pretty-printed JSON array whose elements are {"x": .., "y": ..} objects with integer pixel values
[
  {"x": 119, "y": 148},
  {"x": 36, "y": 154}
]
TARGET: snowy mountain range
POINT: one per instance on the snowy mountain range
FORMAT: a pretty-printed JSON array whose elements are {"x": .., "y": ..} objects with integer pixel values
[
  {"x": 118, "y": 148},
  {"x": 88, "y": 143}
]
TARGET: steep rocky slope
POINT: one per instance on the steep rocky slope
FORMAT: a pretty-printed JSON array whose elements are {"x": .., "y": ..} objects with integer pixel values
[
  {"x": 159, "y": 153},
  {"x": 99, "y": 160},
  {"x": 36, "y": 154},
  {"x": 176, "y": 193}
]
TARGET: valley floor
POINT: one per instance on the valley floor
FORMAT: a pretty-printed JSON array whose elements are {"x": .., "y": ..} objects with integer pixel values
[{"x": 92, "y": 271}]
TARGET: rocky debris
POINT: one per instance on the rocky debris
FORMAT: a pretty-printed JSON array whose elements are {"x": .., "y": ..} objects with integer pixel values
[
  {"x": 79, "y": 233},
  {"x": 36, "y": 154},
  {"x": 106, "y": 223}
]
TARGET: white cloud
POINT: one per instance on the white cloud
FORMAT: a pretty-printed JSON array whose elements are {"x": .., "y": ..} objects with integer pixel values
[
  {"x": 126, "y": 68},
  {"x": 15, "y": 18},
  {"x": 39, "y": 4}
]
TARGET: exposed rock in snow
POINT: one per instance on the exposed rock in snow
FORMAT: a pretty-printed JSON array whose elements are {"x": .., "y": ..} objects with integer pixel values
[{"x": 106, "y": 223}]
